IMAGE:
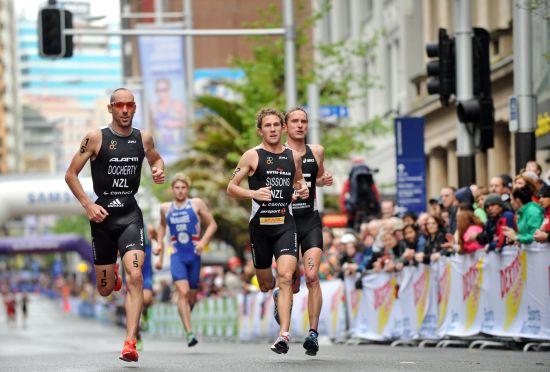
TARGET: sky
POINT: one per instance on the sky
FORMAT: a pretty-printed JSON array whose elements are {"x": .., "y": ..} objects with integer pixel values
[{"x": 108, "y": 8}]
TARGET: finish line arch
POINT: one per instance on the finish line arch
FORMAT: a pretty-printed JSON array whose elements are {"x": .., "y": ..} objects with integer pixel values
[
  {"x": 32, "y": 195},
  {"x": 47, "y": 244}
]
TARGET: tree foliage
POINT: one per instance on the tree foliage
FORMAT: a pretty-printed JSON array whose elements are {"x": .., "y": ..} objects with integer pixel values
[{"x": 228, "y": 129}]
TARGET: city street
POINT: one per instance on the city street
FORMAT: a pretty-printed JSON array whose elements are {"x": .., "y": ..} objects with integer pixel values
[{"x": 54, "y": 341}]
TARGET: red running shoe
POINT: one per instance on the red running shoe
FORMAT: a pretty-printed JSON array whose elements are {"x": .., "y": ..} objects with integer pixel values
[
  {"x": 129, "y": 353},
  {"x": 118, "y": 280}
]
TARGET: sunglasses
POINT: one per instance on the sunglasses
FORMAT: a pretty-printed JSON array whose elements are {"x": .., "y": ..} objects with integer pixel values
[{"x": 121, "y": 105}]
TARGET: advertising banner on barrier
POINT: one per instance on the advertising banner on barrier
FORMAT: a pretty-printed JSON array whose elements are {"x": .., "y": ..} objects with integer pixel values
[
  {"x": 466, "y": 302},
  {"x": 527, "y": 307},
  {"x": 413, "y": 295},
  {"x": 353, "y": 301},
  {"x": 428, "y": 329},
  {"x": 376, "y": 316},
  {"x": 503, "y": 294}
]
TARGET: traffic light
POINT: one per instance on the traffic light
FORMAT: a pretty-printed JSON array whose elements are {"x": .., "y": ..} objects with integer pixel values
[
  {"x": 480, "y": 109},
  {"x": 53, "y": 43},
  {"x": 442, "y": 70}
]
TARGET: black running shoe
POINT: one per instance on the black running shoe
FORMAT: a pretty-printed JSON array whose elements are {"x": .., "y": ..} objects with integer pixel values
[
  {"x": 311, "y": 344},
  {"x": 191, "y": 340}
]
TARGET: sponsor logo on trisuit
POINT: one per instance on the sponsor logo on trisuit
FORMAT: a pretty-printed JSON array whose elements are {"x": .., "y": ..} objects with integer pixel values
[
  {"x": 272, "y": 220},
  {"x": 115, "y": 204}
]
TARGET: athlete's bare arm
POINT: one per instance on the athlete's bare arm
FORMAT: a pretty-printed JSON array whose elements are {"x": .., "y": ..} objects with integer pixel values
[
  {"x": 300, "y": 184},
  {"x": 246, "y": 167},
  {"x": 207, "y": 219},
  {"x": 153, "y": 157},
  {"x": 324, "y": 178},
  {"x": 161, "y": 232},
  {"x": 89, "y": 148}
]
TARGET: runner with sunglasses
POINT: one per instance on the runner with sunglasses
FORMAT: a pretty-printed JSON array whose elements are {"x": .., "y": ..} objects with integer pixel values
[{"x": 116, "y": 153}]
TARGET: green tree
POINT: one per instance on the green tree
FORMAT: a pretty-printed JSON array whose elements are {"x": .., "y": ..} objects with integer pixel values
[
  {"x": 77, "y": 224},
  {"x": 228, "y": 128}
]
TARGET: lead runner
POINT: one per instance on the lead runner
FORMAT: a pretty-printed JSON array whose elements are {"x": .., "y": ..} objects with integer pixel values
[{"x": 116, "y": 153}]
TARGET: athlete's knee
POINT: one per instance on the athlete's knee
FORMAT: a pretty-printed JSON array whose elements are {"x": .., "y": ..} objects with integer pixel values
[
  {"x": 312, "y": 279},
  {"x": 266, "y": 286},
  {"x": 285, "y": 278},
  {"x": 134, "y": 279},
  {"x": 183, "y": 293}
]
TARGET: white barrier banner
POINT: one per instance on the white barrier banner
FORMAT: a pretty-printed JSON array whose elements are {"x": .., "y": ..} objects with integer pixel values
[
  {"x": 376, "y": 316},
  {"x": 353, "y": 301},
  {"x": 525, "y": 288},
  {"x": 332, "y": 320},
  {"x": 503, "y": 294},
  {"x": 428, "y": 329},
  {"x": 256, "y": 316},
  {"x": 468, "y": 282},
  {"x": 413, "y": 297},
  {"x": 256, "y": 313}
]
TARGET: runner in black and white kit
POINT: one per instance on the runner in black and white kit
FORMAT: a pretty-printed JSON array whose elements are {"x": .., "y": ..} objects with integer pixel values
[
  {"x": 116, "y": 153},
  {"x": 273, "y": 173},
  {"x": 309, "y": 227}
]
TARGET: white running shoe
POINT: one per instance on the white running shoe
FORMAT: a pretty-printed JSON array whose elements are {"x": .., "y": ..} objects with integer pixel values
[{"x": 281, "y": 344}]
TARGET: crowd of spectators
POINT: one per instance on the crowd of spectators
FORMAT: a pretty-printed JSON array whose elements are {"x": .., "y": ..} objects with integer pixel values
[{"x": 511, "y": 211}]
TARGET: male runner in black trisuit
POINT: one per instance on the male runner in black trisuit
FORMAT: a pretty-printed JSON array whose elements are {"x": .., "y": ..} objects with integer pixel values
[
  {"x": 116, "y": 153},
  {"x": 309, "y": 227},
  {"x": 273, "y": 173}
]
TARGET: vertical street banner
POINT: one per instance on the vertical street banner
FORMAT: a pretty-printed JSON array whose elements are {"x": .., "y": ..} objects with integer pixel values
[
  {"x": 163, "y": 71},
  {"x": 410, "y": 164}
]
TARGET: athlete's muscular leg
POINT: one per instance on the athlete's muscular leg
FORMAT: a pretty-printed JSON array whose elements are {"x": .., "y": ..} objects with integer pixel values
[
  {"x": 296, "y": 279},
  {"x": 147, "y": 297},
  {"x": 286, "y": 266},
  {"x": 184, "y": 306},
  {"x": 133, "y": 261},
  {"x": 312, "y": 261},
  {"x": 105, "y": 278},
  {"x": 265, "y": 279}
]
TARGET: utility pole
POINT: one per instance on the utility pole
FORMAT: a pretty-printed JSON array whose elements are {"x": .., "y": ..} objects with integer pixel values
[
  {"x": 525, "y": 144},
  {"x": 189, "y": 62},
  {"x": 290, "y": 53},
  {"x": 314, "y": 133},
  {"x": 464, "y": 92}
]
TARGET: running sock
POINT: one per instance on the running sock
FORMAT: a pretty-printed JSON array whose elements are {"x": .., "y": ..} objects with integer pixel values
[{"x": 314, "y": 331}]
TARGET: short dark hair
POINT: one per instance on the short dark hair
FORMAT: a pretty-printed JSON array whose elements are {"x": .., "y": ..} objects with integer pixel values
[
  {"x": 266, "y": 112},
  {"x": 297, "y": 108},
  {"x": 524, "y": 194}
]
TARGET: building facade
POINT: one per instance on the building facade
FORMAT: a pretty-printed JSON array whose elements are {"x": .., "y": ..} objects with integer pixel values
[
  {"x": 397, "y": 63},
  {"x": 11, "y": 144},
  {"x": 65, "y": 92}
]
